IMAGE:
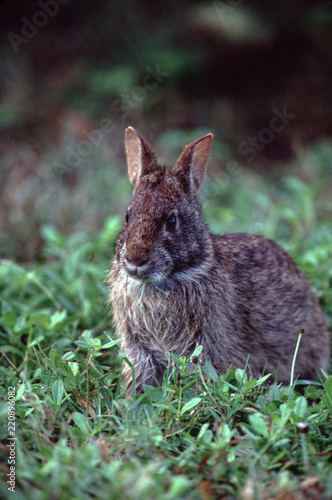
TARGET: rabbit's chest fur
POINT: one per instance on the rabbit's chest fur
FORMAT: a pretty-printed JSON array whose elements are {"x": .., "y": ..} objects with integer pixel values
[{"x": 168, "y": 317}]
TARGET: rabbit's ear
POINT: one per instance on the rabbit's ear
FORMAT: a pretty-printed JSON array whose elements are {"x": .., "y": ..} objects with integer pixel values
[
  {"x": 141, "y": 159},
  {"x": 191, "y": 166}
]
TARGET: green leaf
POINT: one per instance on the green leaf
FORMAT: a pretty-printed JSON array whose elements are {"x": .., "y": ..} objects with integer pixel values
[
  {"x": 311, "y": 392},
  {"x": 274, "y": 393},
  {"x": 328, "y": 386},
  {"x": 285, "y": 414},
  {"x": 190, "y": 384},
  {"x": 180, "y": 487},
  {"x": 54, "y": 357},
  {"x": 197, "y": 351},
  {"x": 262, "y": 379},
  {"x": 211, "y": 371},
  {"x": 249, "y": 385},
  {"x": 327, "y": 402},
  {"x": 261, "y": 401},
  {"x": 57, "y": 317},
  {"x": 202, "y": 430},
  {"x": 43, "y": 320},
  {"x": 226, "y": 435},
  {"x": 5, "y": 306},
  {"x": 74, "y": 367},
  {"x": 68, "y": 355},
  {"x": 301, "y": 407},
  {"x": 57, "y": 391},
  {"x": 20, "y": 391},
  {"x": 327, "y": 398},
  {"x": 9, "y": 318},
  {"x": 241, "y": 376},
  {"x": 83, "y": 344},
  {"x": 52, "y": 235},
  {"x": 81, "y": 422},
  {"x": 258, "y": 423},
  {"x": 65, "y": 369},
  {"x": 108, "y": 345},
  {"x": 190, "y": 404}
]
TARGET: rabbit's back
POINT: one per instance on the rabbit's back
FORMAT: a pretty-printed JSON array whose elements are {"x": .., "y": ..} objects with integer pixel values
[{"x": 273, "y": 302}]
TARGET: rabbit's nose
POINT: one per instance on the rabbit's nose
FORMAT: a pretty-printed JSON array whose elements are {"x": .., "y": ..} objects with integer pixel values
[
  {"x": 135, "y": 267},
  {"x": 136, "y": 259},
  {"x": 136, "y": 262}
]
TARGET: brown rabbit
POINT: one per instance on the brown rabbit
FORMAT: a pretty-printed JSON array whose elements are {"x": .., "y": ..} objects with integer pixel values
[{"x": 175, "y": 286}]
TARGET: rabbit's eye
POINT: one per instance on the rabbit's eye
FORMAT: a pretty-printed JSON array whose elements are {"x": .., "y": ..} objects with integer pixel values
[
  {"x": 127, "y": 217},
  {"x": 171, "y": 223}
]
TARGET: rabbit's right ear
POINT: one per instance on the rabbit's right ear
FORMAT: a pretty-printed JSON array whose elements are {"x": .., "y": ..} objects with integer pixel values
[
  {"x": 141, "y": 159},
  {"x": 191, "y": 165}
]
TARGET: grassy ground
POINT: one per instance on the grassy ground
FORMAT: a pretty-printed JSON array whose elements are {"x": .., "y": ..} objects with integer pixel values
[{"x": 199, "y": 436}]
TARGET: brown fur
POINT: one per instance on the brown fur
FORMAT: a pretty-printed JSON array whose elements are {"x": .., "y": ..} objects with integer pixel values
[{"x": 175, "y": 285}]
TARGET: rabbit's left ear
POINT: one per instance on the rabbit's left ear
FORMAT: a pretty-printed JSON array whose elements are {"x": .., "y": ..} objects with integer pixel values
[
  {"x": 141, "y": 159},
  {"x": 191, "y": 165}
]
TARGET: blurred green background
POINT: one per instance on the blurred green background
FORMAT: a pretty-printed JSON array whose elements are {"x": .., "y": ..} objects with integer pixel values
[{"x": 74, "y": 75}]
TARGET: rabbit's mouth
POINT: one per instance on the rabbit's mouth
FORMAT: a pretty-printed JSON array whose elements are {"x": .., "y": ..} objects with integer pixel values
[
  {"x": 134, "y": 270},
  {"x": 142, "y": 265},
  {"x": 143, "y": 273}
]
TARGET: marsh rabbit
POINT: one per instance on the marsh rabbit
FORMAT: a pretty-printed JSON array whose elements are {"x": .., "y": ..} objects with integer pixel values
[{"x": 175, "y": 286}]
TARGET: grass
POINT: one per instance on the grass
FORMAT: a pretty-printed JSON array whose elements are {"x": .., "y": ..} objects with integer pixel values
[{"x": 199, "y": 436}]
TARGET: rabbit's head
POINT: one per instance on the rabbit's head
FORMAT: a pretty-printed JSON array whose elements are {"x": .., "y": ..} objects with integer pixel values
[{"x": 164, "y": 236}]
